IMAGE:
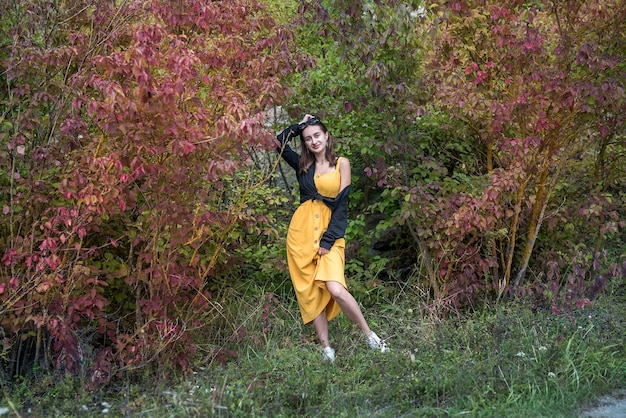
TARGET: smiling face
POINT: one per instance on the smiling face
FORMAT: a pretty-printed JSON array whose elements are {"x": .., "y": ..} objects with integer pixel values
[{"x": 315, "y": 139}]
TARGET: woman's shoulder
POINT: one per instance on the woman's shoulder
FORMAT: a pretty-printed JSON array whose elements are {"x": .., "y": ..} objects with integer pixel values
[{"x": 343, "y": 162}]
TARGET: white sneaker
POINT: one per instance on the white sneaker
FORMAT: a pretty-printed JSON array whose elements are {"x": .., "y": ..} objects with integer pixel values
[
  {"x": 328, "y": 355},
  {"x": 376, "y": 343}
]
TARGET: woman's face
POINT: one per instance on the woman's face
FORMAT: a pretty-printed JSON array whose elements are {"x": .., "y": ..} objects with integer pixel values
[{"x": 315, "y": 139}]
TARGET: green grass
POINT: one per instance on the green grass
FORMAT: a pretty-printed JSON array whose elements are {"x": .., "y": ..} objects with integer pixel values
[{"x": 509, "y": 360}]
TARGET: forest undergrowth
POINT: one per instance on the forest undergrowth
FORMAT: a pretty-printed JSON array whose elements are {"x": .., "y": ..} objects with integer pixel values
[{"x": 513, "y": 359}]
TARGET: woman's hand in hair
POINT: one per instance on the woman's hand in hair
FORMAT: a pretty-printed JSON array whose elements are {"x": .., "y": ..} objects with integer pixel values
[{"x": 305, "y": 118}]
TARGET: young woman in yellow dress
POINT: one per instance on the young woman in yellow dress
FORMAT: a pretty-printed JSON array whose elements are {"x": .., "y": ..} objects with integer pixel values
[{"x": 315, "y": 239}]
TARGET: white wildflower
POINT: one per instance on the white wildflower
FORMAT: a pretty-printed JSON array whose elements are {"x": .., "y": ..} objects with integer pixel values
[
  {"x": 4, "y": 410},
  {"x": 420, "y": 12},
  {"x": 552, "y": 375},
  {"x": 543, "y": 348},
  {"x": 521, "y": 354}
]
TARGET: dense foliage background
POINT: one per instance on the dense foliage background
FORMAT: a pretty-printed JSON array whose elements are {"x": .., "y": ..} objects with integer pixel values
[{"x": 139, "y": 183}]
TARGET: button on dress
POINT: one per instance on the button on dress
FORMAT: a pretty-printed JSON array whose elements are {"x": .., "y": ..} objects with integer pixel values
[{"x": 310, "y": 271}]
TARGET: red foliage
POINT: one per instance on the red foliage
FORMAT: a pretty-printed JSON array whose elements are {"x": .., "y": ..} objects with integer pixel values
[
  {"x": 533, "y": 86},
  {"x": 127, "y": 124}
]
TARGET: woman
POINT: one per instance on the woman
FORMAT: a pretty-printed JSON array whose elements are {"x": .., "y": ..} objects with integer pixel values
[{"x": 315, "y": 240}]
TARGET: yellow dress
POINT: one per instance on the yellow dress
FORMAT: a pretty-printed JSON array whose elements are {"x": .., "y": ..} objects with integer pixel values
[{"x": 309, "y": 271}]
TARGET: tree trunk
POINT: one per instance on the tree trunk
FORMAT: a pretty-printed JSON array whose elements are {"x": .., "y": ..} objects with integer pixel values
[
  {"x": 544, "y": 192},
  {"x": 428, "y": 262},
  {"x": 513, "y": 232}
]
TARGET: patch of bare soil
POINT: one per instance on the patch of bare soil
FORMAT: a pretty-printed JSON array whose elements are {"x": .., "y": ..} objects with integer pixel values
[{"x": 612, "y": 406}]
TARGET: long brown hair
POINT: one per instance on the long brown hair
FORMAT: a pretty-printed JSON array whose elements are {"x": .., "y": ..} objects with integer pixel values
[{"x": 307, "y": 158}]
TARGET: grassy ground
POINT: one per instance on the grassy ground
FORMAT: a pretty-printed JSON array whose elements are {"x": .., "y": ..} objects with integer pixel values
[{"x": 509, "y": 360}]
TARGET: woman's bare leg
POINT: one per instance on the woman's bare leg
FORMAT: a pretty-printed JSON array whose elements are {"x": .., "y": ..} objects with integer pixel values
[
  {"x": 348, "y": 305},
  {"x": 321, "y": 329}
]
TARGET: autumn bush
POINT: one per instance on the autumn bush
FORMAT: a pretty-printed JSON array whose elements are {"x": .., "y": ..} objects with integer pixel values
[{"x": 127, "y": 174}]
